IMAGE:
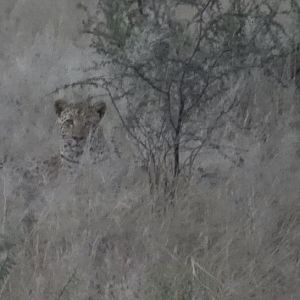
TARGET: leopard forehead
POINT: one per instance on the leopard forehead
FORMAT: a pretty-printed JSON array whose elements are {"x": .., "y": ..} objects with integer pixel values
[{"x": 80, "y": 112}]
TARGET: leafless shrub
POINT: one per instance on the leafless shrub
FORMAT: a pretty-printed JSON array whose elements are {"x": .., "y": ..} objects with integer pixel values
[{"x": 177, "y": 76}]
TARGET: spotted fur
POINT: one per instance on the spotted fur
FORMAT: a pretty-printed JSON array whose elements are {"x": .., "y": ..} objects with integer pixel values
[{"x": 80, "y": 133}]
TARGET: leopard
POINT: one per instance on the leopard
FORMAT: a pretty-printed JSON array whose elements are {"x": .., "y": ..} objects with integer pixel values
[
  {"x": 81, "y": 144},
  {"x": 80, "y": 138},
  {"x": 80, "y": 133},
  {"x": 40, "y": 183}
]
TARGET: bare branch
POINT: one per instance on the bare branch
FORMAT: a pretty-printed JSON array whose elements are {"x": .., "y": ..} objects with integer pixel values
[
  {"x": 69, "y": 281},
  {"x": 122, "y": 120}
]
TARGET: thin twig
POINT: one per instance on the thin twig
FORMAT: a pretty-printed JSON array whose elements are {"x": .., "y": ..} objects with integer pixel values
[{"x": 61, "y": 293}]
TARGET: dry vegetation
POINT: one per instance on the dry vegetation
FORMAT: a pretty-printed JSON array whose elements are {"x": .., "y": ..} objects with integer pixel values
[
  {"x": 232, "y": 233},
  {"x": 231, "y": 230}
]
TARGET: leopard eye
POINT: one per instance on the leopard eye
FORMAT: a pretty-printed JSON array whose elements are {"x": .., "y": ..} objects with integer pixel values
[{"x": 69, "y": 122}]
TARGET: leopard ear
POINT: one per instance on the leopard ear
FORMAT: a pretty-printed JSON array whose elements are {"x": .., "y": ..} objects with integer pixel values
[
  {"x": 59, "y": 106},
  {"x": 100, "y": 108}
]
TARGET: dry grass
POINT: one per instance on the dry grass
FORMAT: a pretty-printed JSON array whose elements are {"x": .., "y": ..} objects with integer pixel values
[{"x": 235, "y": 236}]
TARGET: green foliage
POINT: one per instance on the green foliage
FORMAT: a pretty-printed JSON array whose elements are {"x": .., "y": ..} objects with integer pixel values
[{"x": 117, "y": 26}]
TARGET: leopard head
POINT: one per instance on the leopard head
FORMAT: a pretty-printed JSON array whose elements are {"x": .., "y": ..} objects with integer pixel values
[{"x": 77, "y": 122}]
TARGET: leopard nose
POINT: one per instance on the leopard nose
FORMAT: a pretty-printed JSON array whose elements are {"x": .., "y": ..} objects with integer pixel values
[{"x": 78, "y": 138}]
